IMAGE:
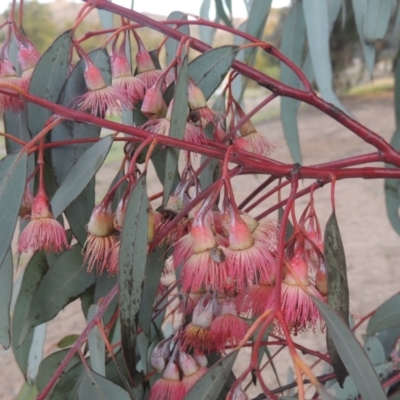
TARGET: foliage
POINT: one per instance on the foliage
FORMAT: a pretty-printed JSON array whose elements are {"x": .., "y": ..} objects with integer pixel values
[{"x": 173, "y": 284}]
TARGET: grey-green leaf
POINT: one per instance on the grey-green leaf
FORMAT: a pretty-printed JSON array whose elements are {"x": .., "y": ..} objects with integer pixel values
[
  {"x": 81, "y": 174},
  {"x": 392, "y": 196},
  {"x": 352, "y": 354},
  {"x": 209, "y": 69},
  {"x": 318, "y": 42},
  {"x": 338, "y": 289},
  {"x": 61, "y": 285},
  {"x": 206, "y": 33},
  {"x": 258, "y": 15},
  {"x": 359, "y": 7},
  {"x": 96, "y": 345},
  {"x": 177, "y": 129},
  {"x": 94, "y": 386},
  {"x": 6, "y": 285},
  {"x": 386, "y": 316},
  {"x": 12, "y": 186},
  {"x": 171, "y": 45},
  {"x": 154, "y": 268},
  {"x": 48, "y": 79},
  {"x": 33, "y": 274},
  {"x": 50, "y": 364},
  {"x": 375, "y": 351},
  {"x": 210, "y": 385},
  {"x": 377, "y": 17},
  {"x": 293, "y": 38},
  {"x": 132, "y": 266}
]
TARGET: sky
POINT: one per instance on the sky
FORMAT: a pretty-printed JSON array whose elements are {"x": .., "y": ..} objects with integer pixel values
[{"x": 165, "y": 7}]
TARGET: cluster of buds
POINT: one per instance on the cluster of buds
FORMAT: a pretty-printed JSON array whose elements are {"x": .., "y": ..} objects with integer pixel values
[
  {"x": 27, "y": 57},
  {"x": 179, "y": 370}
]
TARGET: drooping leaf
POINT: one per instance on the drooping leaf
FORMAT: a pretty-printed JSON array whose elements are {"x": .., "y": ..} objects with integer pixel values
[
  {"x": 206, "y": 33},
  {"x": 67, "y": 341},
  {"x": 293, "y": 38},
  {"x": 258, "y": 15},
  {"x": 289, "y": 225},
  {"x": 350, "y": 391},
  {"x": 154, "y": 268},
  {"x": 16, "y": 124},
  {"x": 27, "y": 392},
  {"x": 81, "y": 174},
  {"x": 103, "y": 286},
  {"x": 35, "y": 270},
  {"x": 386, "y": 316},
  {"x": 338, "y": 288},
  {"x": 50, "y": 364},
  {"x": 352, "y": 355},
  {"x": 209, "y": 69},
  {"x": 376, "y": 20},
  {"x": 36, "y": 352},
  {"x": 210, "y": 385},
  {"x": 359, "y": 7},
  {"x": 67, "y": 387},
  {"x": 63, "y": 158},
  {"x": 48, "y": 79},
  {"x": 318, "y": 42},
  {"x": 222, "y": 13},
  {"x": 94, "y": 386},
  {"x": 171, "y": 45},
  {"x": 12, "y": 186},
  {"x": 61, "y": 285},
  {"x": 132, "y": 266},
  {"x": 213, "y": 169},
  {"x": 392, "y": 196},
  {"x": 6, "y": 285},
  {"x": 177, "y": 129},
  {"x": 388, "y": 339},
  {"x": 374, "y": 350},
  {"x": 106, "y": 18},
  {"x": 96, "y": 345},
  {"x": 239, "y": 83}
]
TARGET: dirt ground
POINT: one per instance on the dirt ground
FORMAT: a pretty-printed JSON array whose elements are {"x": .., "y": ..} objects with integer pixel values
[{"x": 372, "y": 247}]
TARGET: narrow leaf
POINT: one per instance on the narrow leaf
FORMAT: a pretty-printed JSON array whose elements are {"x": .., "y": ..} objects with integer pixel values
[
  {"x": 67, "y": 341},
  {"x": 132, "y": 266},
  {"x": 81, "y": 174},
  {"x": 50, "y": 364},
  {"x": 96, "y": 345},
  {"x": 352, "y": 354},
  {"x": 27, "y": 392},
  {"x": 293, "y": 39},
  {"x": 206, "y": 33},
  {"x": 64, "y": 157},
  {"x": 210, "y": 385},
  {"x": 35, "y": 270},
  {"x": 392, "y": 196},
  {"x": 258, "y": 15},
  {"x": 375, "y": 351},
  {"x": 318, "y": 41},
  {"x": 209, "y": 69},
  {"x": 48, "y": 79},
  {"x": 94, "y": 386},
  {"x": 171, "y": 45},
  {"x": 338, "y": 288},
  {"x": 154, "y": 268},
  {"x": 61, "y": 285},
  {"x": 6, "y": 283},
  {"x": 359, "y": 7},
  {"x": 12, "y": 186},
  {"x": 36, "y": 352},
  {"x": 377, "y": 17},
  {"x": 222, "y": 13},
  {"x": 386, "y": 316},
  {"x": 177, "y": 129}
]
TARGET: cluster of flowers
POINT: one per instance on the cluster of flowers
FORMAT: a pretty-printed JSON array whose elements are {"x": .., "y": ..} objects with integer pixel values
[{"x": 224, "y": 258}]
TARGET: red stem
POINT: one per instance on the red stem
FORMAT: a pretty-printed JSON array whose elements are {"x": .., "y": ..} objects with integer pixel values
[{"x": 80, "y": 341}]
